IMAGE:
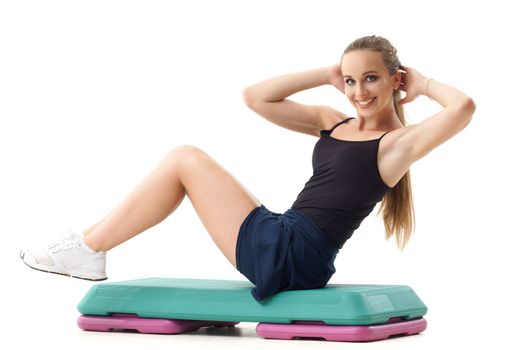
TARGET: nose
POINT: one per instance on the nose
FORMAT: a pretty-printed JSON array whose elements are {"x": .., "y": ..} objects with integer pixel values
[{"x": 360, "y": 91}]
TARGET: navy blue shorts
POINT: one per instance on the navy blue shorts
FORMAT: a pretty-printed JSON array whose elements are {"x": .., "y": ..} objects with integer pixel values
[{"x": 279, "y": 252}]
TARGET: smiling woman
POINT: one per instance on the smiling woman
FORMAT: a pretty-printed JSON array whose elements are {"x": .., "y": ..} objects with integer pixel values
[
  {"x": 364, "y": 161},
  {"x": 361, "y": 161},
  {"x": 375, "y": 94}
]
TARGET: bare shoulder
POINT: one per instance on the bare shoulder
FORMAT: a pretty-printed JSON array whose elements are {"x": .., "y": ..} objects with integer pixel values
[
  {"x": 403, "y": 146},
  {"x": 392, "y": 140},
  {"x": 331, "y": 116}
]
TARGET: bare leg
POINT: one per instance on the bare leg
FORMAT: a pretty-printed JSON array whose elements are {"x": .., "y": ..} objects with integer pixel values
[
  {"x": 221, "y": 202},
  {"x": 147, "y": 205},
  {"x": 92, "y": 227}
]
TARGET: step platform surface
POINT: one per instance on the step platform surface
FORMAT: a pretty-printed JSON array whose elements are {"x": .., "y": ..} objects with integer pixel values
[{"x": 231, "y": 301}]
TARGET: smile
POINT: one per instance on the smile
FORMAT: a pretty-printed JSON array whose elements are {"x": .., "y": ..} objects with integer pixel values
[{"x": 366, "y": 103}]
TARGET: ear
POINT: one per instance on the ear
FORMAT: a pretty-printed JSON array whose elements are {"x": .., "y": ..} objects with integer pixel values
[{"x": 397, "y": 80}]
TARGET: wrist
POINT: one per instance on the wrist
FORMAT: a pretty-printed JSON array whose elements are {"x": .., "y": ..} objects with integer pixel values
[
  {"x": 334, "y": 77},
  {"x": 331, "y": 74},
  {"x": 427, "y": 87},
  {"x": 327, "y": 76}
]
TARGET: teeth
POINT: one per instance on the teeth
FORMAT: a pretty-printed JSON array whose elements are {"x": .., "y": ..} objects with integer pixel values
[{"x": 365, "y": 102}]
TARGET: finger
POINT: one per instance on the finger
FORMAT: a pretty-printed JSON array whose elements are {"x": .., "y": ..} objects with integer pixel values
[{"x": 406, "y": 99}]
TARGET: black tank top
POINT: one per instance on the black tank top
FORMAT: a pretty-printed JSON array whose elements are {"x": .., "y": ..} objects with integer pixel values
[{"x": 345, "y": 185}]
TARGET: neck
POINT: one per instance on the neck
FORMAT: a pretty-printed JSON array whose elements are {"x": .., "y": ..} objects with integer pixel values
[{"x": 383, "y": 121}]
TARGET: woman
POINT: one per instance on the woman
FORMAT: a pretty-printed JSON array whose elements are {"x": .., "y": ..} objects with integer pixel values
[{"x": 357, "y": 162}]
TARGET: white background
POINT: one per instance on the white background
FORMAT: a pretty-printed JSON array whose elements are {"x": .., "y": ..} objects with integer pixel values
[{"x": 93, "y": 94}]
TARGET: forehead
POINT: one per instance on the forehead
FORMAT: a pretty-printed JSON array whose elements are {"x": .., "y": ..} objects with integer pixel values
[{"x": 358, "y": 61}]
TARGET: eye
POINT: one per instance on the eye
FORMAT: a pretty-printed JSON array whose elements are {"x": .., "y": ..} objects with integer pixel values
[{"x": 350, "y": 81}]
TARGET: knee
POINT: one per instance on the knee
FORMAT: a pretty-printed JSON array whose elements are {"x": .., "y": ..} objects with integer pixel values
[{"x": 184, "y": 153}]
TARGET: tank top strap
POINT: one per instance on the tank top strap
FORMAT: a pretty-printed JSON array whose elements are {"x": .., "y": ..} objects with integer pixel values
[
  {"x": 341, "y": 122},
  {"x": 379, "y": 139}
]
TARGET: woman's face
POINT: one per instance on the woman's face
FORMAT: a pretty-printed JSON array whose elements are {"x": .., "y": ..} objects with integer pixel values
[{"x": 368, "y": 84}]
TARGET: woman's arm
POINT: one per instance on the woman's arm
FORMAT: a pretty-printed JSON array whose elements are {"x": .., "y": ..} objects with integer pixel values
[
  {"x": 269, "y": 99},
  {"x": 458, "y": 109},
  {"x": 280, "y": 87},
  {"x": 416, "y": 84}
]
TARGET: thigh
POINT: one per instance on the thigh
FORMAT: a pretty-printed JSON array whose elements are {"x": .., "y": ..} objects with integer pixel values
[{"x": 220, "y": 200}]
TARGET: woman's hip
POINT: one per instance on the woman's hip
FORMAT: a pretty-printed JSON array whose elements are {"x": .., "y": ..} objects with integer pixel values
[{"x": 283, "y": 252}]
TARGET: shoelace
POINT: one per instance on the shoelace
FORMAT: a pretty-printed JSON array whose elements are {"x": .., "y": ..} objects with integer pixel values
[{"x": 70, "y": 241}]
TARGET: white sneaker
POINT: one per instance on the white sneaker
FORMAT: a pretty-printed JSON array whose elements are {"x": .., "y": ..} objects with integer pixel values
[{"x": 70, "y": 256}]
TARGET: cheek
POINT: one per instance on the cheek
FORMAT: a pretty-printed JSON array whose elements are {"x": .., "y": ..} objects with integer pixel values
[
  {"x": 384, "y": 91},
  {"x": 350, "y": 96}
]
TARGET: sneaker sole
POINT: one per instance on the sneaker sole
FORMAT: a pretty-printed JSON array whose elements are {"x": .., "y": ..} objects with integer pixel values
[{"x": 61, "y": 273}]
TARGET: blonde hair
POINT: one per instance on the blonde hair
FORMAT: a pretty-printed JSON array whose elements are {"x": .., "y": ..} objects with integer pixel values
[{"x": 397, "y": 205}]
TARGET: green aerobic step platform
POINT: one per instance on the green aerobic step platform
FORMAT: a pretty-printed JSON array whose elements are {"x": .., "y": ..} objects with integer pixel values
[{"x": 230, "y": 300}]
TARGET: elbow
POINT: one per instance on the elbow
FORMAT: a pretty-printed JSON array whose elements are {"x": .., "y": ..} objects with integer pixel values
[
  {"x": 468, "y": 107},
  {"x": 246, "y": 96},
  {"x": 465, "y": 110}
]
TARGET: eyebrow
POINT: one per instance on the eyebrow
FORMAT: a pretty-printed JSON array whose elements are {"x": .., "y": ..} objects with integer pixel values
[{"x": 365, "y": 73}]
